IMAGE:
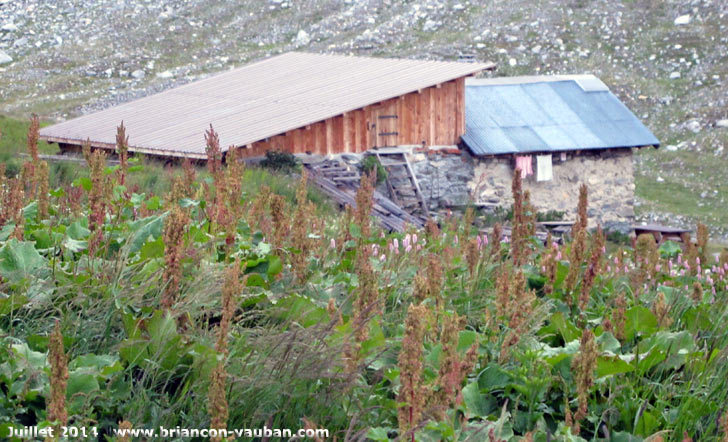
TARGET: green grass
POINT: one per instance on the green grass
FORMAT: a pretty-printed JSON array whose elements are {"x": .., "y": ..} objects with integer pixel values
[
  {"x": 293, "y": 322},
  {"x": 686, "y": 176}
]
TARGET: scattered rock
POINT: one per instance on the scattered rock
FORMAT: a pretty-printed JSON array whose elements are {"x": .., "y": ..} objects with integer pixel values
[
  {"x": 682, "y": 20},
  {"x": 5, "y": 58},
  {"x": 693, "y": 126},
  {"x": 138, "y": 74},
  {"x": 675, "y": 75},
  {"x": 165, "y": 74},
  {"x": 430, "y": 25},
  {"x": 302, "y": 38},
  {"x": 721, "y": 123},
  {"x": 9, "y": 27}
]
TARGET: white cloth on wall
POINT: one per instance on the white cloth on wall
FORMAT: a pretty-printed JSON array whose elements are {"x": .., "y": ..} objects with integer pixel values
[{"x": 544, "y": 169}]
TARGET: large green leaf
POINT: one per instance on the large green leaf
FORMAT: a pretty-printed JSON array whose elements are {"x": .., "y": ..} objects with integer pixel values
[
  {"x": 147, "y": 229},
  {"x": 300, "y": 309},
  {"x": 639, "y": 320},
  {"x": 607, "y": 342},
  {"x": 33, "y": 359},
  {"x": 378, "y": 434},
  {"x": 610, "y": 365},
  {"x": 19, "y": 259},
  {"x": 493, "y": 377},
  {"x": 561, "y": 326},
  {"x": 671, "y": 347},
  {"x": 478, "y": 404},
  {"x": 78, "y": 231}
]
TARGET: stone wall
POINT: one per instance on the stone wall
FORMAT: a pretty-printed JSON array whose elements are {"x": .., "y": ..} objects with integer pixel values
[
  {"x": 444, "y": 178},
  {"x": 452, "y": 180}
]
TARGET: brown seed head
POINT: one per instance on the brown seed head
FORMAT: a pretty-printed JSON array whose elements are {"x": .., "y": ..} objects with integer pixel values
[
  {"x": 126, "y": 437},
  {"x": 661, "y": 310},
  {"x": 175, "y": 227},
  {"x": 412, "y": 392},
  {"x": 217, "y": 404},
  {"x": 56, "y": 408},
  {"x": 583, "y": 365},
  {"x": 122, "y": 150},
  {"x": 33, "y": 134}
]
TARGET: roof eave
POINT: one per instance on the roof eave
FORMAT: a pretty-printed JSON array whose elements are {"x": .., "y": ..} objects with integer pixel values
[{"x": 137, "y": 149}]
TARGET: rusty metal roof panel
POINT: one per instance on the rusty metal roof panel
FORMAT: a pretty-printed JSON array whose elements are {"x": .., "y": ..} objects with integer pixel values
[
  {"x": 543, "y": 114},
  {"x": 257, "y": 101}
]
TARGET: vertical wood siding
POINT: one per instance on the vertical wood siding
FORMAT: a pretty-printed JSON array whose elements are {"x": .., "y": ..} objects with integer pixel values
[{"x": 433, "y": 116}]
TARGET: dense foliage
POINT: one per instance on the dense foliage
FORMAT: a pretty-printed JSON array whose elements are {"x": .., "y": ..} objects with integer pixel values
[{"x": 211, "y": 307}]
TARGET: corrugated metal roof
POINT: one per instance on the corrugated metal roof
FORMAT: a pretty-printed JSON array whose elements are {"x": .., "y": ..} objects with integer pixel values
[
  {"x": 257, "y": 101},
  {"x": 543, "y": 114}
]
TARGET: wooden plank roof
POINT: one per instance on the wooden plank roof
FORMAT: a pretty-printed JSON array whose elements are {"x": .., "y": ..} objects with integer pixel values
[{"x": 257, "y": 101}]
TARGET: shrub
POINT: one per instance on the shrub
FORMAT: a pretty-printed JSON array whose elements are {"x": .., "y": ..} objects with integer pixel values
[
  {"x": 280, "y": 161},
  {"x": 370, "y": 163}
]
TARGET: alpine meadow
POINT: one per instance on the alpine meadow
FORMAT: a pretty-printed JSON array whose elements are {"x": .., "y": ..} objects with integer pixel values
[{"x": 216, "y": 305}]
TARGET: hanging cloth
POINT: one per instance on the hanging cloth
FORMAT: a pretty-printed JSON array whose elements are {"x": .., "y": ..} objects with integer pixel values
[
  {"x": 524, "y": 163},
  {"x": 544, "y": 171}
]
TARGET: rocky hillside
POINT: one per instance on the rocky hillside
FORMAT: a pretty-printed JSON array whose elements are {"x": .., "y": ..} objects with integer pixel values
[{"x": 665, "y": 58}]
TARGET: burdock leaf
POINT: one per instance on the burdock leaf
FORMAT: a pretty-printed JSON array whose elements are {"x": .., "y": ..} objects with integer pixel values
[{"x": 19, "y": 259}]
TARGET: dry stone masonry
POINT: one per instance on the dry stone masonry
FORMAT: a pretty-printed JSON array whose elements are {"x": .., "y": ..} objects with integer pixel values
[{"x": 454, "y": 180}]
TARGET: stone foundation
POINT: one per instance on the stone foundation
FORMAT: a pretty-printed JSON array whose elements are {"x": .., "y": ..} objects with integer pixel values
[{"x": 448, "y": 180}]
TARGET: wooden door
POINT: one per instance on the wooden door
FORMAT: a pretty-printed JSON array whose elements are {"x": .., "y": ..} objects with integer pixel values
[{"x": 384, "y": 125}]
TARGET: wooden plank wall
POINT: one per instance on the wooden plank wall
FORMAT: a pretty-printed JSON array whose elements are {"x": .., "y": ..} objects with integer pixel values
[{"x": 433, "y": 116}]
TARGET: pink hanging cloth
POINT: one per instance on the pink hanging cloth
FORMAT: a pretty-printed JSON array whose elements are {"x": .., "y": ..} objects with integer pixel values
[{"x": 524, "y": 163}]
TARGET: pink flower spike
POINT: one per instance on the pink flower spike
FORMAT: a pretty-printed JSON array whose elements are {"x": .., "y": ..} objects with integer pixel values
[
  {"x": 697, "y": 260},
  {"x": 679, "y": 259},
  {"x": 419, "y": 247},
  {"x": 616, "y": 261},
  {"x": 414, "y": 238},
  {"x": 332, "y": 243},
  {"x": 485, "y": 239},
  {"x": 408, "y": 248},
  {"x": 396, "y": 243},
  {"x": 382, "y": 257},
  {"x": 455, "y": 240}
]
